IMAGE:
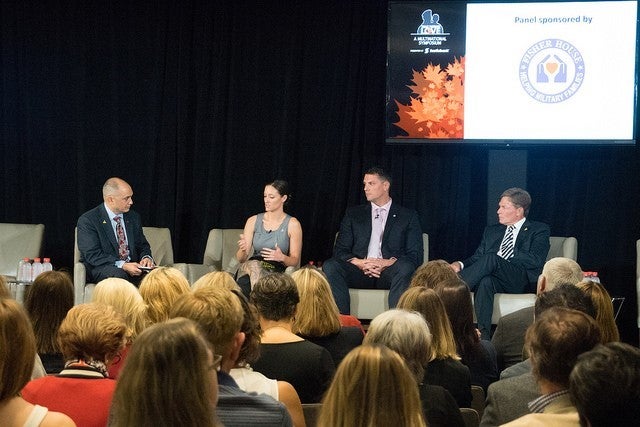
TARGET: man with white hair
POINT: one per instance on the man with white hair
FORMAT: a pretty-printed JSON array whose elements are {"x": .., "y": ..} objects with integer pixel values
[{"x": 508, "y": 338}]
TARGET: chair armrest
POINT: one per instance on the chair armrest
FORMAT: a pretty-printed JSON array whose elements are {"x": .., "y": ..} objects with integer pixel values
[{"x": 79, "y": 281}]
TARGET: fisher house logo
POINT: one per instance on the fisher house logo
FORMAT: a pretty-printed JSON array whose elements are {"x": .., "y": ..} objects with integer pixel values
[{"x": 551, "y": 71}]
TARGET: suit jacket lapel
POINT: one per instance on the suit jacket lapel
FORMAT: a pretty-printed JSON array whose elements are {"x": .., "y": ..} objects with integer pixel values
[
  {"x": 522, "y": 234},
  {"x": 107, "y": 228},
  {"x": 392, "y": 218}
]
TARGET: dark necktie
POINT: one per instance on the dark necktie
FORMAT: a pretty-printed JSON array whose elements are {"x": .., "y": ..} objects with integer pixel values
[
  {"x": 123, "y": 250},
  {"x": 506, "y": 248}
]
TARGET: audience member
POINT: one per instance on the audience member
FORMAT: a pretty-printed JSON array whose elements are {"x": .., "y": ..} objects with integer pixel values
[
  {"x": 508, "y": 337},
  {"x": 47, "y": 302},
  {"x": 372, "y": 387},
  {"x": 477, "y": 354},
  {"x": 215, "y": 279},
  {"x": 431, "y": 273},
  {"x": 91, "y": 336},
  {"x": 284, "y": 355},
  {"x": 604, "y": 309},
  {"x": 272, "y": 240},
  {"x": 604, "y": 385},
  {"x": 445, "y": 368},
  {"x": 379, "y": 245},
  {"x": 125, "y": 298},
  {"x": 510, "y": 256},
  {"x": 554, "y": 342},
  {"x": 244, "y": 375},
  {"x": 508, "y": 398},
  {"x": 17, "y": 353},
  {"x": 218, "y": 312},
  {"x": 407, "y": 334},
  {"x": 318, "y": 319},
  {"x": 119, "y": 250},
  {"x": 169, "y": 380},
  {"x": 161, "y": 288}
]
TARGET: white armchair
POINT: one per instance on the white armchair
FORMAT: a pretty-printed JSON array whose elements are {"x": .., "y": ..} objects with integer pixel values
[
  {"x": 18, "y": 241},
  {"x": 161, "y": 248}
]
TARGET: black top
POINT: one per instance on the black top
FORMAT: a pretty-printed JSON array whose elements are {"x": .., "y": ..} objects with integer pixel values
[
  {"x": 306, "y": 366},
  {"x": 440, "y": 409},
  {"x": 339, "y": 344},
  {"x": 483, "y": 365},
  {"x": 53, "y": 362},
  {"x": 453, "y": 376}
]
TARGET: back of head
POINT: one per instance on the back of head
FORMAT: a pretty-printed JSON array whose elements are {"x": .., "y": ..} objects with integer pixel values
[
  {"x": 604, "y": 309},
  {"x": 556, "y": 339},
  {"x": 317, "y": 314},
  {"x": 569, "y": 296},
  {"x": 456, "y": 297},
  {"x": 48, "y": 300},
  {"x": 215, "y": 279},
  {"x": 126, "y": 299},
  {"x": 605, "y": 385},
  {"x": 427, "y": 302},
  {"x": 4, "y": 289},
  {"x": 159, "y": 289},
  {"x": 92, "y": 332},
  {"x": 431, "y": 273},
  {"x": 167, "y": 361},
  {"x": 275, "y": 296},
  {"x": 365, "y": 391},
  {"x": 559, "y": 271},
  {"x": 218, "y": 313},
  {"x": 17, "y": 348},
  {"x": 405, "y": 332}
]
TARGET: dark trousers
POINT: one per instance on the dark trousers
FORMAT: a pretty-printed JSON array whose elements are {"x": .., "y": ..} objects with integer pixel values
[
  {"x": 488, "y": 276},
  {"x": 343, "y": 275},
  {"x": 106, "y": 271}
]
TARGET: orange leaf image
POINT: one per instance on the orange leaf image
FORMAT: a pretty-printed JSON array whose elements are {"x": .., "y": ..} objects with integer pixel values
[{"x": 436, "y": 107}]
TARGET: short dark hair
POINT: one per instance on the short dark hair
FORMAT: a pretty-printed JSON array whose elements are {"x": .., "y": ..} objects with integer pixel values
[
  {"x": 275, "y": 296},
  {"x": 556, "y": 339},
  {"x": 565, "y": 295},
  {"x": 519, "y": 197},
  {"x": 384, "y": 176},
  {"x": 605, "y": 385}
]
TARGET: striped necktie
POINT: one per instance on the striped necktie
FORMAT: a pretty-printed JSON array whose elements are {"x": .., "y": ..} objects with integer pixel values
[{"x": 506, "y": 248}]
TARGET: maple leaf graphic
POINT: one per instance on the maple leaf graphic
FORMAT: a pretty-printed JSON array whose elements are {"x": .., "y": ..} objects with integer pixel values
[{"x": 436, "y": 107}]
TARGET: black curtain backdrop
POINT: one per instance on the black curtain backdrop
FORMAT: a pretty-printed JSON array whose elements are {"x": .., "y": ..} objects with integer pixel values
[{"x": 198, "y": 104}]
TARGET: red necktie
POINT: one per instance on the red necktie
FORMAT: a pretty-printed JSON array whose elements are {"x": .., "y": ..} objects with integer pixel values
[{"x": 123, "y": 250}]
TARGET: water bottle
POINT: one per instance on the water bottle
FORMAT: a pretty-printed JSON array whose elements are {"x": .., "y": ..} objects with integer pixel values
[
  {"x": 24, "y": 274},
  {"x": 36, "y": 268},
  {"x": 20, "y": 268},
  {"x": 46, "y": 265}
]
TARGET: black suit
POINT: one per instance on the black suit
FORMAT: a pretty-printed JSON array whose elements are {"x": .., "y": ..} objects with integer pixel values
[
  {"x": 487, "y": 274},
  {"x": 402, "y": 239},
  {"x": 98, "y": 244}
]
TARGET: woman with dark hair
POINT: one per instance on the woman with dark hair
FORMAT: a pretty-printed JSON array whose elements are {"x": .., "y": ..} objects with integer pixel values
[
  {"x": 47, "y": 302},
  {"x": 479, "y": 355},
  {"x": 272, "y": 240},
  {"x": 17, "y": 353},
  {"x": 284, "y": 355}
]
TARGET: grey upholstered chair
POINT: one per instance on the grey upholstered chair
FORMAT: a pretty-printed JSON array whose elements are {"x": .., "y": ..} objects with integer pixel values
[{"x": 18, "y": 241}]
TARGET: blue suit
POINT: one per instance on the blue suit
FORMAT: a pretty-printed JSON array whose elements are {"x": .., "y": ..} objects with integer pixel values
[
  {"x": 487, "y": 274},
  {"x": 99, "y": 247},
  {"x": 402, "y": 239}
]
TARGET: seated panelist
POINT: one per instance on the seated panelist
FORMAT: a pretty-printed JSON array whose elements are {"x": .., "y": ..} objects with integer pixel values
[{"x": 110, "y": 237}]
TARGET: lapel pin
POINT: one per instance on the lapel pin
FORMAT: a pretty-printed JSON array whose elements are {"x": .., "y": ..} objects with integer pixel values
[{"x": 104, "y": 222}]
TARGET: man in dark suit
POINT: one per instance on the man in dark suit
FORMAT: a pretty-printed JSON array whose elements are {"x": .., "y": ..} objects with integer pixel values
[
  {"x": 509, "y": 259},
  {"x": 379, "y": 245},
  {"x": 110, "y": 237}
]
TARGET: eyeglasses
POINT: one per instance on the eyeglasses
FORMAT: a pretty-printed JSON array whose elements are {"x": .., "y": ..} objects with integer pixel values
[{"x": 215, "y": 366}]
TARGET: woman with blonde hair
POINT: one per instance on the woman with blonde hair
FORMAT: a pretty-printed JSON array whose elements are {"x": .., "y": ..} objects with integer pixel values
[
  {"x": 431, "y": 273},
  {"x": 17, "y": 355},
  {"x": 91, "y": 337},
  {"x": 372, "y": 387},
  {"x": 604, "y": 309},
  {"x": 317, "y": 318},
  {"x": 170, "y": 379},
  {"x": 125, "y": 298},
  {"x": 159, "y": 289},
  {"x": 215, "y": 279},
  {"x": 445, "y": 367},
  {"x": 47, "y": 302}
]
